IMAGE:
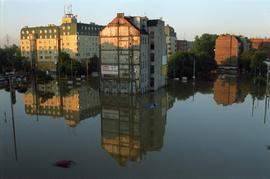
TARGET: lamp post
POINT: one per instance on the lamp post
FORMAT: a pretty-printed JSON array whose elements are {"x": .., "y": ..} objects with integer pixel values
[
  {"x": 194, "y": 68},
  {"x": 267, "y": 62}
]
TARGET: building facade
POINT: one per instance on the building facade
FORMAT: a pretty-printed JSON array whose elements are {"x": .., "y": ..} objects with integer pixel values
[
  {"x": 227, "y": 50},
  {"x": 125, "y": 55},
  {"x": 158, "y": 56},
  {"x": 42, "y": 45},
  {"x": 256, "y": 43},
  {"x": 171, "y": 40},
  {"x": 183, "y": 46}
]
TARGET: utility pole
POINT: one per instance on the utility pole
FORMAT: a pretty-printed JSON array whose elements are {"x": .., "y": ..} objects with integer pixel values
[
  {"x": 267, "y": 62},
  {"x": 7, "y": 40},
  {"x": 12, "y": 117},
  {"x": 194, "y": 69}
]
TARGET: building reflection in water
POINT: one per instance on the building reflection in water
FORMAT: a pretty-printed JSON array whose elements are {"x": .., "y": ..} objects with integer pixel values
[
  {"x": 226, "y": 90},
  {"x": 133, "y": 125},
  {"x": 52, "y": 99}
]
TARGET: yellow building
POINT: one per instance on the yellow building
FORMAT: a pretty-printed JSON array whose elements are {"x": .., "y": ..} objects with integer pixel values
[
  {"x": 42, "y": 45},
  {"x": 74, "y": 105}
]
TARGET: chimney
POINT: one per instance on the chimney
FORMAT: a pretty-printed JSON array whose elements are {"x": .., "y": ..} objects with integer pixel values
[{"x": 120, "y": 15}]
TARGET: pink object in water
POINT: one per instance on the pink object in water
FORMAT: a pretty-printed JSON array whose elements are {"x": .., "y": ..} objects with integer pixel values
[{"x": 64, "y": 163}]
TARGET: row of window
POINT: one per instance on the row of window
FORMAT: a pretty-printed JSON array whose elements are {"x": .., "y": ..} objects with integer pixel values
[
  {"x": 55, "y": 30},
  {"x": 90, "y": 28},
  {"x": 40, "y": 31}
]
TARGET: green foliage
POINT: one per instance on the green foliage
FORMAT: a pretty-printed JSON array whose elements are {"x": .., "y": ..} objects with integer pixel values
[
  {"x": 181, "y": 63},
  {"x": 94, "y": 64},
  {"x": 205, "y": 45},
  {"x": 11, "y": 59},
  {"x": 43, "y": 77},
  {"x": 253, "y": 61},
  {"x": 69, "y": 66}
]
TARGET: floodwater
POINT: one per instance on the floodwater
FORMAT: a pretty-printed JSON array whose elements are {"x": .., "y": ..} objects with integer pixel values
[{"x": 215, "y": 129}]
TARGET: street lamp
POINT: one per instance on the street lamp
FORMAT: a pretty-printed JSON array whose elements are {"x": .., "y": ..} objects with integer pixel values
[{"x": 267, "y": 62}]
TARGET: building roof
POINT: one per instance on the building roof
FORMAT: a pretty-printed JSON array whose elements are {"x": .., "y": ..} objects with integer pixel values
[{"x": 153, "y": 22}]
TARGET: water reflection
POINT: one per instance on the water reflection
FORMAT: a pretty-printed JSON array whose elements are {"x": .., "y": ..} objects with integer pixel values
[
  {"x": 130, "y": 125},
  {"x": 226, "y": 90},
  {"x": 120, "y": 130},
  {"x": 133, "y": 125},
  {"x": 79, "y": 102},
  {"x": 74, "y": 103}
]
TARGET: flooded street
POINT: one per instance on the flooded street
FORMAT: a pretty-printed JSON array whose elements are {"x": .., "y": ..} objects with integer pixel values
[{"x": 214, "y": 129}]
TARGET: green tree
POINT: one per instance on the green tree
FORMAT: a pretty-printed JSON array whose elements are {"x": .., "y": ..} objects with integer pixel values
[
  {"x": 181, "y": 63},
  {"x": 69, "y": 66},
  {"x": 257, "y": 62},
  {"x": 205, "y": 45},
  {"x": 11, "y": 59},
  {"x": 244, "y": 60}
]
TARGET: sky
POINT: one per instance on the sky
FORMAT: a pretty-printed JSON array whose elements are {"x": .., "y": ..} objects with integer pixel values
[{"x": 189, "y": 18}]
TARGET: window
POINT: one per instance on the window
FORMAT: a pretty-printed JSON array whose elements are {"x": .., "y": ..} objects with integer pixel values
[
  {"x": 152, "y": 35},
  {"x": 152, "y": 47},
  {"x": 152, "y": 69},
  {"x": 22, "y": 32},
  {"x": 152, "y": 57},
  {"x": 152, "y": 82},
  {"x": 45, "y": 31}
]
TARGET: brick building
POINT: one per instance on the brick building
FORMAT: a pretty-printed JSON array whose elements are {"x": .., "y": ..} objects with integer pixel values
[
  {"x": 227, "y": 49},
  {"x": 256, "y": 43},
  {"x": 260, "y": 43}
]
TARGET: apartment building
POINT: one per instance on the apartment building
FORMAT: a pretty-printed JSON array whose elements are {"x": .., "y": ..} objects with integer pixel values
[
  {"x": 261, "y": 43},
  {"x": 125, "y": 55},
  {"x": 257, "y": 43},
  {"x": 171, "y": 40},
  {"x": 183, "y": 45},
  {"x": 158, "y": 56},
  {"x": 42, "y": 45},
  {"x": 227, "y": 50}
]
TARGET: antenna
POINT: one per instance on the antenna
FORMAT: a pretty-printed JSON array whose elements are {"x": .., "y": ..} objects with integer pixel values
[
  {"x": 64, "y": 9},
  {"x": 69, "y": 9},
  {"x": 7, "y": 40}
]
